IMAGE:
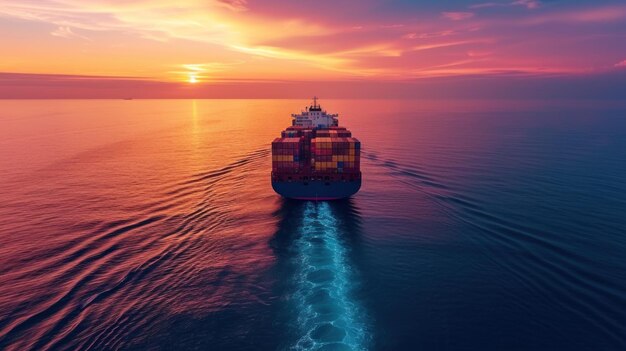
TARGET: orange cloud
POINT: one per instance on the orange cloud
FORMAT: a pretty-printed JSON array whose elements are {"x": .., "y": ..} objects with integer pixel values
[
  {"x": 66, "y": 32},
  {"x": 235, "y": 5}
]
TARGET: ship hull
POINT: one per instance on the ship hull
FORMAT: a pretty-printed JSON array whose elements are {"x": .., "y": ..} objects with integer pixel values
[{"x": 316, "y": 190}]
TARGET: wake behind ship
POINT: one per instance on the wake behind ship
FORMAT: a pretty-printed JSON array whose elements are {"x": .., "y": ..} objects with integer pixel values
[{"x": 315, "y": 158}]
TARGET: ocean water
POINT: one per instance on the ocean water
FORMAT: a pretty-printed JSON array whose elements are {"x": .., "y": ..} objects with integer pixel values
[{"x": 151, "y": 224}]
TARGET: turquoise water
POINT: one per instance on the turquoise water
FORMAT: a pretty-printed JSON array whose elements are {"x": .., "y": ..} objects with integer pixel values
[{"x": 151, "y": 224}]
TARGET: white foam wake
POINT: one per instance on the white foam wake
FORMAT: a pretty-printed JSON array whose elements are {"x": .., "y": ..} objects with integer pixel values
[{"x": 328, "y": 316}]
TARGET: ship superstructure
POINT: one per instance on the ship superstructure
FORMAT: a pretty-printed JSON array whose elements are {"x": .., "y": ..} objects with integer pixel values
[{"x": 315, "y": 117}]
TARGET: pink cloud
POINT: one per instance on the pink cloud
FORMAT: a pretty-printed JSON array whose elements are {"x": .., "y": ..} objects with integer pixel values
[
  {"x": 447, "y": 44},
  {"x": 397, "y": 25},
  {"x": 476, "y": 53},
  {"x": 621, "y": 64},
  {"x": 485, "y": 5},
  {"x": 442, "y": 33},
  {"x": 457, "y": 16},
  {"x": 529, "y": 4},
  {"x": 600, "y": 15}
]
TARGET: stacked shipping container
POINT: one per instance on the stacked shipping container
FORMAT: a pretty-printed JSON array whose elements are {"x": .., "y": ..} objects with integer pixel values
[
  {"x": 316, "y": 151},
  {"x": 286, "y": 155},
  {"x": 333, "y": 133},
  {"x": 335, "y": 155},
  {"x": 293, "y": 132}
]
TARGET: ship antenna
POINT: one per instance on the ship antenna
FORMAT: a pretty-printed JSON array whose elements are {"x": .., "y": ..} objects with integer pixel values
[{"x": 315, "y": 101}]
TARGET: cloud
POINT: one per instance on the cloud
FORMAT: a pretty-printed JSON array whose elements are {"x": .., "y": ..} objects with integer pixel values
[
  {"x": 476, "y": 53},
  {"x": 457, "y": 16},
  {"x": 210, "y": 66},
  {"x": 588, "y": 15},
  {"x": 443, "y": 33},
  {"x": 153, "y": 20},
  {"x": 395, "y": 25},
  {"x": 224, "y": 23},
  {"x": 66, "y": 32},
  {"x": 621, "y": 64},
  {"x": 529, "y": 4},
  {"x": 447, "y": 44},
  {"x": 235, "y": 5},
  {"x": 505, "y": 83},
  {"x": 486, "y": 5},
  {"x": 203, "y": 71}
]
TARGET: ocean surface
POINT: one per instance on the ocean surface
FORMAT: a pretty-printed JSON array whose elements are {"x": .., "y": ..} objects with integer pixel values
[{"x": 151, "y": 224}]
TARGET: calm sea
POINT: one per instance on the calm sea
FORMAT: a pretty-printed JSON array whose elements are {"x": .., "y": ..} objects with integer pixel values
[{"x": 151, "y": 224}]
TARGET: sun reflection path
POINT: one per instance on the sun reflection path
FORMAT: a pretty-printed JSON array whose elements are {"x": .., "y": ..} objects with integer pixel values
[{"x": 328, "y": 317}]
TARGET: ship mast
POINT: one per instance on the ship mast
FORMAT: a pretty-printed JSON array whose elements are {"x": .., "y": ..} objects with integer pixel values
[{"x": 315, "y": 106}]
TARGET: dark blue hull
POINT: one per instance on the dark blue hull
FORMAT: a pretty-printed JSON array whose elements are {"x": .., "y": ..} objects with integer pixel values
[{"x": 317, "y": 189}]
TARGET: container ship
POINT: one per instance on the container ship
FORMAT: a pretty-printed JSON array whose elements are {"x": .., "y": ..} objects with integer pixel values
[{"x": 315, "y": 158}]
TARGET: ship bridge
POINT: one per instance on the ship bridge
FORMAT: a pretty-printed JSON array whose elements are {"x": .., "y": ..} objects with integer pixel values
[{"x": 314, "y": 117}]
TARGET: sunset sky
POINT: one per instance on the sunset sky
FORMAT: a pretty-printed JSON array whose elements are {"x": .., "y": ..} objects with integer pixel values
[{"x": 231, "y": 48}]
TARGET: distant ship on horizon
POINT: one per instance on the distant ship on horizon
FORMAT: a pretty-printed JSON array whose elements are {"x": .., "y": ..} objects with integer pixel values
[{"x": 315, "y": 158}]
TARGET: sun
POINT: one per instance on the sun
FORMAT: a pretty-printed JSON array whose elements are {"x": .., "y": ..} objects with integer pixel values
[{"x": 193, "y": 79}]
